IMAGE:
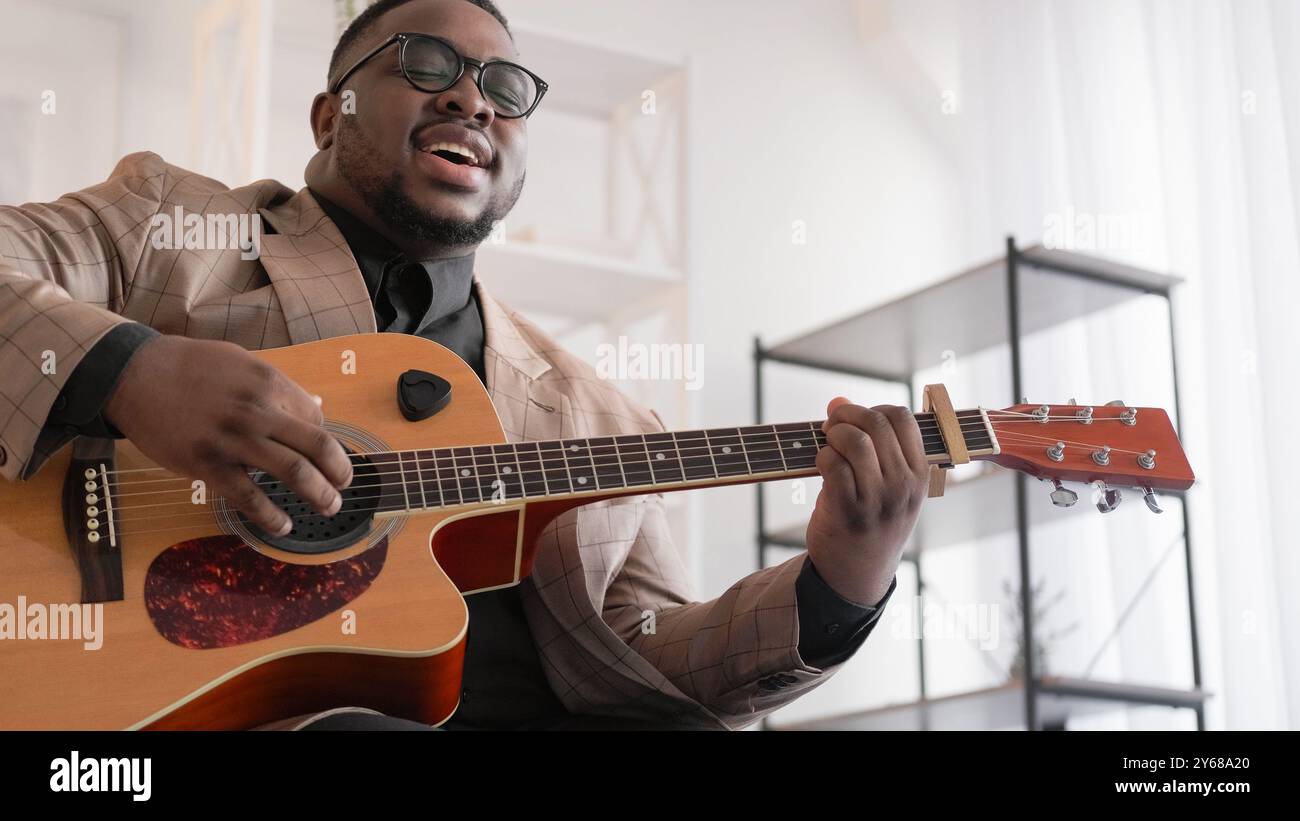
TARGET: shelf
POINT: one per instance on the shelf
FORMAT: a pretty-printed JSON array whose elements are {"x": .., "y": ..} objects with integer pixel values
[
  {"x": 588, "y": 78},
  {"x": 1003, "y": 707},
  {"x": 968, "y": 313},
  {"x": 971, "y": 313},
  {"x": 567, "y": 282}
]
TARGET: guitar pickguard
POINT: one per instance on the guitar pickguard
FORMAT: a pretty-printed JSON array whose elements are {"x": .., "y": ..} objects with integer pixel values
[{"x": 217, "y": 591}]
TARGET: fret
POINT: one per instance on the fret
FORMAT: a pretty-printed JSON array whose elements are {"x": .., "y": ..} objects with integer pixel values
[
  {"x": 485, "y": 474},
  {"x": 505, "y": 472},
  {"x": 419, "y": 479},
  {"x": 401, "y": 477},
  {"x": 555, "y": 467},
  {"x": 818, "y": 435},
  {"x": 762, "y": 449},
  {"x": 693, "y": 453},
  {"x": 582, "y": 471},
  {"x": 426, "y": 463},
  {"x": 466, "y": 477},
  {"x": 727, "y": 452},
  {"x": 798, "y": 447},
  {"x": 531, "y": 476},
  {"x": 415, "y": 456},
  {"x": 388, "y": 475},
  {"x": 635, "y": 455},
  {"x": 973, "y": 432},
  {"x": 444, "y": 468},
  {"x": 665, "y": 462},
  {"x": 507, "y": 460},
  {"x": 604, "y": 458}
]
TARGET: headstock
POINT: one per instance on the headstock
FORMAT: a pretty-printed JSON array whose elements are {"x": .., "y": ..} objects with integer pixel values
[{"x": 1112, "y": 445}]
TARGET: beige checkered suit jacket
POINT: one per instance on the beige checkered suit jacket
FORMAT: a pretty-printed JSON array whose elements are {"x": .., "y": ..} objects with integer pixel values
[{"x": 71, "y": 269}]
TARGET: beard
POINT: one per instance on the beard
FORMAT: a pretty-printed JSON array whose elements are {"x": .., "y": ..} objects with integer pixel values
[{"x": 384, "y": 192}]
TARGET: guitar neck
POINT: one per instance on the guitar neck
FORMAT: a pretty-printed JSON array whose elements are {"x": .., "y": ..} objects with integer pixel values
[{"x": 628, "y": 464}]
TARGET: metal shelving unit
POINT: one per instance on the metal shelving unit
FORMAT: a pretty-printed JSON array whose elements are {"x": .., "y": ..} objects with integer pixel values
[{"x": 1001, "y": 302}]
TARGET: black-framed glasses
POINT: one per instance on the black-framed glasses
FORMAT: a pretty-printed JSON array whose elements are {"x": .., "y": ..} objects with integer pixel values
[{"x": 431, "y": 64}]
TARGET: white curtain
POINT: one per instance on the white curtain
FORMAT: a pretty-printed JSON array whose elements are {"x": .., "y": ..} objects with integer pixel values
[{"x": 1181, "y": 118}]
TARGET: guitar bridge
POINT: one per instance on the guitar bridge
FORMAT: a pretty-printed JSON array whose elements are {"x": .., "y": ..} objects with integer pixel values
[{"x": 89, "y": 520}]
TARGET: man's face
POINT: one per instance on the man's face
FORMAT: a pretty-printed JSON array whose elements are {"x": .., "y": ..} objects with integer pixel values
[{"x": 378, "y": 149}]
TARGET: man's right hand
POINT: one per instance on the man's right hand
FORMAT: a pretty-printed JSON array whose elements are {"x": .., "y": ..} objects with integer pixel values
[{"x": 211, "y": 410}]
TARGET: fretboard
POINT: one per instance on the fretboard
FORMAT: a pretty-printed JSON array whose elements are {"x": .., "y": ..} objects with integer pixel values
[{"x": 415, "y": 480}]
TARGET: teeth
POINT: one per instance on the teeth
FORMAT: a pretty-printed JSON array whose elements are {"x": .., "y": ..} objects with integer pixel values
[{"x": 455, "y": 148}]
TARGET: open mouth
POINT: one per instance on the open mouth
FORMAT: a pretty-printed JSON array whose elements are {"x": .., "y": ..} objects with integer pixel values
[{"x": 454, "y": 153}]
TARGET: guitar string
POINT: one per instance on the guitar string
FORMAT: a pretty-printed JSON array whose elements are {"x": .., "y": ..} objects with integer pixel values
[
  {"x": 442, "y": 455},
  {"x": 422, "y": 480},
  {"x": 969, "y": 420},
  {"x": 490, "y": 462},
  {"x": 543, "y": 474},
  {"x": 524, "y": 495},
  {"x": 929, "y": 436},
  {"x": 476, "y": 481},
  {"x": 972, "y": 421},
  {"x": 768, "y": 437}
]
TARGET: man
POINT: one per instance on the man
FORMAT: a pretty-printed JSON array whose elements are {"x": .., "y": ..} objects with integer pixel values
[{"x": 421, "y": 149}]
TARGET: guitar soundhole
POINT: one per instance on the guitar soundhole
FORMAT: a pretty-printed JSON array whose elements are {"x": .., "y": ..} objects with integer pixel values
[{"x": 313, "y": 533}]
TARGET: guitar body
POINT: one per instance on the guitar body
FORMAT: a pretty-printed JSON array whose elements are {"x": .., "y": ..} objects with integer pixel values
[{"x": 212, "y": 632}]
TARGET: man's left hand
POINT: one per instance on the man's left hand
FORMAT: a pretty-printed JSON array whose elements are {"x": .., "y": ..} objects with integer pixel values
[{"x": 875, "y": 479}]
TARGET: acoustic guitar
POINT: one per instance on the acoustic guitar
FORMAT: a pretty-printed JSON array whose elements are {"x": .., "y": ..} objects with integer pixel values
[{"x": 207, "y": 622}]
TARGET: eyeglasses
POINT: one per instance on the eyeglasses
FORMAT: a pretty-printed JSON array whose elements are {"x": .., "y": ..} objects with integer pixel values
[{"x": 433, "y": 65}]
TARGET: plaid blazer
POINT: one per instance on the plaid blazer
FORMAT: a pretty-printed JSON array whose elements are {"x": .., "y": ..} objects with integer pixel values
[{"x": 72, "y": 269}]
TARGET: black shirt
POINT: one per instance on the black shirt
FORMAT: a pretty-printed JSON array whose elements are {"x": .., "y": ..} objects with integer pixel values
[{"x": 504, "y": 683}]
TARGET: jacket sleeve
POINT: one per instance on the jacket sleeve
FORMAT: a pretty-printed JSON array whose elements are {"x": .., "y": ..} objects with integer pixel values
[
  {"x": 65, "y": 273},
  {"x": 738, "y": 654}
]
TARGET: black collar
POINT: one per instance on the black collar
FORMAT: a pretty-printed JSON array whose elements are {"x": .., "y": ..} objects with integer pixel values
[{"x": 451, "y": 279}]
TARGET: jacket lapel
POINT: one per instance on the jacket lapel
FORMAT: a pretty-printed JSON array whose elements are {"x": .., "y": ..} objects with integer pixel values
[
  {"x": 316, "y": 279},
  {"x": 529, "y": 408}
]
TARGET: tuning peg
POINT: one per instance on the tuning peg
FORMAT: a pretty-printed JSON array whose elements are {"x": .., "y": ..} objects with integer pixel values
[
  {"x": 1153, "y": 504},
  {"x": 1062, "y": 496},
  {"x": 1116, "y": 403},
  {"x": 1024, "y": 400},
  {"x": 1108, "y": 498}
]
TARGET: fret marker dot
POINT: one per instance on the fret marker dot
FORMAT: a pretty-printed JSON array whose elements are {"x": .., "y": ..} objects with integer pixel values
[
  {"x": 573, "y": 447},
  {"x": 659, "y": 456},
  {"x": 798, "y": 444},
  {"x": 505, "y": 470},
  {"x": 464, "y": 471},
  {"x": 582, "y": 480},
  {"x": 726, "y": 448}
]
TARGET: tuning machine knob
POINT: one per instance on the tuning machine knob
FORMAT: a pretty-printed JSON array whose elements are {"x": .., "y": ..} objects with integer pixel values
[
  {"x": 1062, "y": 496},
  {"x": 1153, "y": 503},
  {"x": 1108, "y": 498},
  {"x": 1128, "y": 416}
]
